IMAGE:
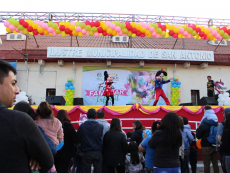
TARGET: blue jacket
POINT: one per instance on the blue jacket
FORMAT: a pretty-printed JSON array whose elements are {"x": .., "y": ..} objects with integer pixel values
[
  {"x": 158, "y": 83},
  {"x": 187, "y": 136},
  {"x": 90, "y": 134}
]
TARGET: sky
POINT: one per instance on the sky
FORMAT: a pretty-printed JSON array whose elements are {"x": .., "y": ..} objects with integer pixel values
[{"x": 188, "y": 8}]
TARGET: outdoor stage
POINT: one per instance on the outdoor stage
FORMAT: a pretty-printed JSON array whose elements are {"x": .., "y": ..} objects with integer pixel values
[{"x": 146, "y": 114}]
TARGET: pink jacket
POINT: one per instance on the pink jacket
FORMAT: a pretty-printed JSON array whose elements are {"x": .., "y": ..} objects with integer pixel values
[{"x": 52, "y": 128}]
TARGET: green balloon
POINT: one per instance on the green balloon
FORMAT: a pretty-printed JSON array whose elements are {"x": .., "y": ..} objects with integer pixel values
[
  {"x": 94, "y": 29},
  {"x": 225, "y": 35},
  {"x": 189, "y": 30},
  {"x": 88, "y": 27},
  {"x": 20, "y": 27},
  {"x": 16, "y": 23},
  {"x": 194, "y": 33},
  {"x": 163, "y": 33},
  {"x": 50, "y": 23},
  {"x": 158, "y": 30},
  {"x": 91, "y": 33},
  {"x": 221, "y": 32},
  {"x": 82, "y": 25},
  {"x": 11, "y": 20},
  {"x": 125, "y": 31},
  {"x": 122, "y": 25},
  {"x": 54, "y": 25},
  {"x": 155, "y": 25},
  {"x": 77, "y": 24},
  {"x": 117, "y": 23}
]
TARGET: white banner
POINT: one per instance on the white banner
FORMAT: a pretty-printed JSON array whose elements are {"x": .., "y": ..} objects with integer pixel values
[{"x": 129, "y": 53}]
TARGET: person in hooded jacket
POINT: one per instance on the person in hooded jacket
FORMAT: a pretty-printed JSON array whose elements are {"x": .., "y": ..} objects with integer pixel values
[
  {"x": 90, "y": 134},
  {"x": 187, "y": 138},
  {"x": 137, "y": 132}
]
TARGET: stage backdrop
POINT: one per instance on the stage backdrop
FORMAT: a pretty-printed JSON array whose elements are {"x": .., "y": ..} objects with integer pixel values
[{"x": 132, "y": 85}]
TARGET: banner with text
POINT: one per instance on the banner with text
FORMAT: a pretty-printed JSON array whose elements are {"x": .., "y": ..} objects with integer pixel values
[
  {"x": 132, "y": 85},
  {"x": 129, "y": 53}
]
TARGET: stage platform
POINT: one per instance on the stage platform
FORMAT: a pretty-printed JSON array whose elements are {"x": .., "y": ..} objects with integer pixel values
[{"x": 146, "y": 114}]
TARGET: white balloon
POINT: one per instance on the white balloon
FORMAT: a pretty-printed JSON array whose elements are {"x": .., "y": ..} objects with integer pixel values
[
  {"x": 222, "y": 99},
  {"x": 220, "y": 103},
  {"x": 23, "y": 93},
  {"x": 220, "y": 95},
  {"x": 228, "y": 99},
  {"x": 218, "y": 100},
  {"x": 226, "y": 103},
  {"x": 226, "y": 95}
]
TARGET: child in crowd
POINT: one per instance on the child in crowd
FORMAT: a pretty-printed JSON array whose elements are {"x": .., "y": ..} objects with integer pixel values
[
  {"x": 51, "y": 126},
  {"x": 134, "y": 159},
  {"x": 129, "y": 134},
  {"x": 209, "y": 116},
  {"x": 193, "y": 154}
]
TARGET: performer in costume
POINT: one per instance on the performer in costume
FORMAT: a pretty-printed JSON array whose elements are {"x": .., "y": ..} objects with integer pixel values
[
  {"x": 210, "y": 87},
  {"x": 159, "y": 81},
  {"x": 108, "y": 92}
]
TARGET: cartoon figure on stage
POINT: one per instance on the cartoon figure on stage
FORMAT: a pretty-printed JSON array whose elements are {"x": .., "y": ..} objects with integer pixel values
[
  {"x": 159, "y": 81},
  {"x": 108, "y": 92}
]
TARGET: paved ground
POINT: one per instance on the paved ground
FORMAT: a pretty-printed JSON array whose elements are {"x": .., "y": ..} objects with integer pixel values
[{"x": 200, "y": 168}]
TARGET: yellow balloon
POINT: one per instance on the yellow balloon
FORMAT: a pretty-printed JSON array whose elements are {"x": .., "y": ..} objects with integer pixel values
[
  {"x": 62, "y": 23},
  {"x": 15, "y": 32},
  {"x": 8, "y": 30},
  {"x": 180, "y": 35},
  {"x": 79, "y": 34},
  {"x": 167, "y": 26},
  {"x": 40, "y": 30},
  {"x": 149, "y": 35},
  {"x": 30, "y": 22},
  {"x": 67, "y": 24},
  {"x": 143, "y": 29},
  {"x": 109, "y": 31},
  {"x": 209, "y": 36},
  {"x": 138, "y": 26},
  {"x": 105, "y": 27},
  {"x": 101, "y": 23},
  {"x": 72, "y": 27},
  {"x": 133, "y": 35},
  {"x": 100, "y": 34},
  {"x": 63, "y": 34},
  {"x": 25, "y": 31},
  {"x": 171, "y": 27},
  {"x": 202, "y": 28},
  {"x": 133, "y": 24},
  {"x": 46, "y": 32},
  {"x": 114, "y": 33},
  {"x": 35, "y": 25},
  {"x": 167, "y": 35},
  {"x": 50, "y": 33},
  {"x": 147, "y": 32},
  {"x": 206, "y": 31},
  {"x": 176, "y": 30},
  {"x": 31, "y": 33},
  {"x": 74, "y": 32}
]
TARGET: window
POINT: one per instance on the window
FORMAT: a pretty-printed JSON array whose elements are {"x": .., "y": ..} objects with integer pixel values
[
  {"x": 195, "y": 96},
  {"x": 50, "y": 92}
]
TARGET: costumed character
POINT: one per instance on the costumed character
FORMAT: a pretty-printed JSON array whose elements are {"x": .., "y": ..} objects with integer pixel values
[
  {"x": 159, "y": 81},
  {"x": 108, "y": 92},
  {"x": 220, "y": 87}
]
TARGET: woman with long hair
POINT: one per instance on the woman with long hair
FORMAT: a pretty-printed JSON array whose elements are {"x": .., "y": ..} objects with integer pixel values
[
  {"x": 63, "y": 157},
  {"x": 51, "y": 126},
  {"x": 166, "y": 141},
  {"x": 115, "y": 147},
  {"x": 137, "y": 132},
  {"x": 225, "y": 142}
]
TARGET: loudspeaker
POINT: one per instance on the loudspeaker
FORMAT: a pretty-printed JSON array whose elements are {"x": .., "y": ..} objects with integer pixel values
[
  {"x": 207, "y": 101},
  {"x": 186, "y": 104},
  {"x": 78, "y": 101},
  {"x": 55, "y": 100}
]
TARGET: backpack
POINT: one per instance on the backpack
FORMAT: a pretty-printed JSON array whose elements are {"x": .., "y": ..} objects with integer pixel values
[{"x": 212, "y": 134}]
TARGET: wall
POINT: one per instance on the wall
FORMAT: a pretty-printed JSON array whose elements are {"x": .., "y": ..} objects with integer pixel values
[{"x": 53, "y": 76}]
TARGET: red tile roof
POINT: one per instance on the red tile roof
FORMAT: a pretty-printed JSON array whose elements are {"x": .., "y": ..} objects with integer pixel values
[{"x": 87, "y": 41}]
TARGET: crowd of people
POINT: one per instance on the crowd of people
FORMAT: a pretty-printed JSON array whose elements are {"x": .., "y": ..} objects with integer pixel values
[{"x": 38, "y": 141}]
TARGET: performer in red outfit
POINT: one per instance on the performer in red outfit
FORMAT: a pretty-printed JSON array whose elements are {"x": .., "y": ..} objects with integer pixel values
[
  {"x": 159, "y": 81},
  {"x": 108, "y": 92}
]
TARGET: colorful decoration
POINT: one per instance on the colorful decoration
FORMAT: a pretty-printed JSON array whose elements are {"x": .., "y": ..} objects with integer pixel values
[
  {"x": 69, "y": 91},
  {"x": 223, "y": 99},
  {"x": 220, "y": 87},
  {"x": 175, "y": 94},
  {"x": 101, "y": 28}
]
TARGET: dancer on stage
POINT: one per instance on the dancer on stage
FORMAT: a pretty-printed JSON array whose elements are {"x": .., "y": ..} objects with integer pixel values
[
  {"x": 159, "y": 81},
  {"x": 108, "y": 92}
]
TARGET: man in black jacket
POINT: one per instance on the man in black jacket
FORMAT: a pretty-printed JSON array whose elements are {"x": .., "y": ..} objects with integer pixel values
[
  {"x": 22, "y": 145},
  {"x": 90, "y": 134},
  {"x": 209, "y": 152}
]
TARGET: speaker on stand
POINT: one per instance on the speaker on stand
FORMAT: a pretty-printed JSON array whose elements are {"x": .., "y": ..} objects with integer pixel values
[
  {"x": 55, "y": 100},
  {"x": 78, "y": 101},
  {"x": 207, "y": 101}
]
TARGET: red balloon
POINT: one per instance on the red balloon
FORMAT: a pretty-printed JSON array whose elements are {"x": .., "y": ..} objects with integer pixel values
[
  {"x": 138, "y": 33},
  {"x": 193, "y": 26},
  {"x": 97, "y": 23},
  {"x": 163, "y": 27},
  {"x": 92, "y": 24},
  {"x": 225, "y": 29},
  {"x": 87, "y": 22},
  {"x": 70, "y": 34},
  {"x": 159, "y": 25},
  {"x": 35, "y": 31},
  {"x": 228, "y": 31},
  {"x": 175, "y": 35},
  {"x": 134, "y": 30},
  {"x": 127, "y": 23},
  {"x": 198, "y": 30},
  {"x": 29, "y": 28},
  {"x": 62, "y": 28},
  {"x": 21, "y": 21},
  {"x": 41, "y": 33},
  {"x": 171, "y": 33},
  {"x": 67, "y": 31},
  {"x": 25, "y": 24},
  {"x": 104, "y": 33},
  {"x": 100, "y": 30},
  {"x": 142, "y": 35},
  {"x": 109, "y": 34},
  {"x": 129, "y": 27},
  {"x": 202, "y": 34}
]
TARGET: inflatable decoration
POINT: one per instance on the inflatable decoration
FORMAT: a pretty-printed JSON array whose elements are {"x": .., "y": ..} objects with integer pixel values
[
  {"x": 69, "y": 91},
  {"x": 21, "y": 97},
  {"x": 175, "y": 93}
]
